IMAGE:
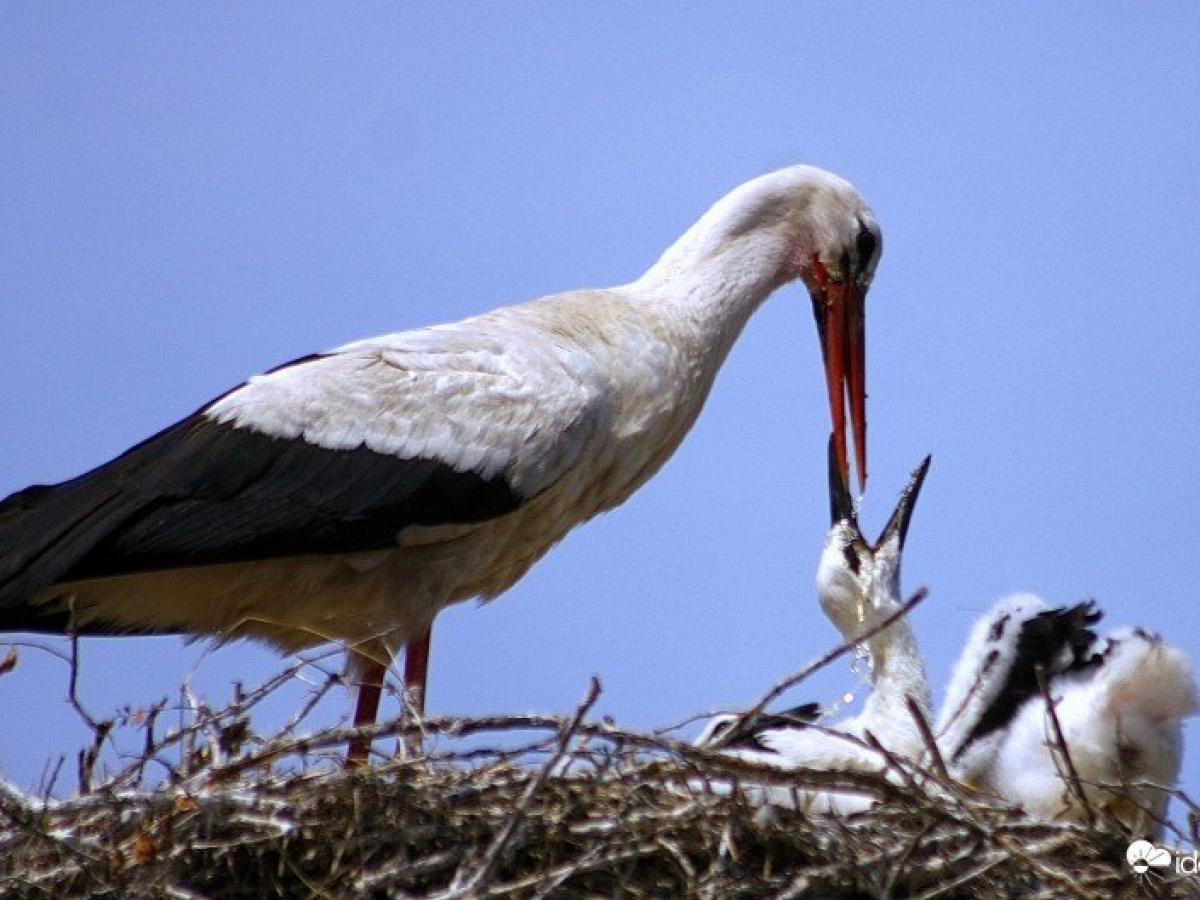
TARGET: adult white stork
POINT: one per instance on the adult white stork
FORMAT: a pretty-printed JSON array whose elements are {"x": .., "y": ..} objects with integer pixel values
[
  {"x": 350, "y": 495},
  {"x": 1118, "y": 703},
  {"x": 859, "y": 587}
]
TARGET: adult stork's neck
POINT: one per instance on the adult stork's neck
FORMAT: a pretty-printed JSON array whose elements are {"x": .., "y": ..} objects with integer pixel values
[{"x": 709, "y": 282}]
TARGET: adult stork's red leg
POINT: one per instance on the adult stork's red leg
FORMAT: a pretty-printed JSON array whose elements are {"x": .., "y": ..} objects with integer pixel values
[
  {"x": 370, "y": 688},
  {"x": 416, "y": 669}
]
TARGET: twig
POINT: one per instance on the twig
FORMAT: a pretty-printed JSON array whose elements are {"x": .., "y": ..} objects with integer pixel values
[
  {"x": 1063, "y": 879},
  {"x": 940, "y": 890},
  {"x": 821, "y": 662},
  {"x": 896, "y": 868},
  {"x": 492, "y": 857},
  {"x": 931, "y": 745},
  {"x": 73, "y": 684},
  {"x": 1072, "y": 774},
  {"x": 894, "y": 762}
]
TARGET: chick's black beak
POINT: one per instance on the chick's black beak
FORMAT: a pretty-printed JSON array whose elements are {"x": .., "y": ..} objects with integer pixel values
[
  {"x": 897, "y": 525},
  {"x": 841, "y": 506}
]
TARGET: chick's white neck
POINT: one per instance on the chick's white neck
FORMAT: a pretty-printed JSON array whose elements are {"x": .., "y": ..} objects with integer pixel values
[{"x": 898, "y": 673}]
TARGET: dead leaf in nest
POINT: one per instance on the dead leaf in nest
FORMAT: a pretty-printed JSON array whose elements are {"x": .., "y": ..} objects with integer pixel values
[{"x": 144, "y": 848}]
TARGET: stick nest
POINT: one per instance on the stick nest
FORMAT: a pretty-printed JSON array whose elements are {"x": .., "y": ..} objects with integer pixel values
[{"x": 528, "y": 807}]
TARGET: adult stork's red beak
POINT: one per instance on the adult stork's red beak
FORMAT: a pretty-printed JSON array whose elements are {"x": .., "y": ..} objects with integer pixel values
[{"x": 839, "y": 304}]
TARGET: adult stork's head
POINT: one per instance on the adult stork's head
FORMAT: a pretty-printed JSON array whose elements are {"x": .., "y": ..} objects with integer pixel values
[
  {"x": 799, "y": 223},
  {"x": 859, "y": 582},
  {"x": 837, "y": 269}
]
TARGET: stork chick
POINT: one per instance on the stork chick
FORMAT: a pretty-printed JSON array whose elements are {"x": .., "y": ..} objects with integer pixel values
[
  {"x": 859, "y": 587},
  {"x": 1119, "y": 702}
]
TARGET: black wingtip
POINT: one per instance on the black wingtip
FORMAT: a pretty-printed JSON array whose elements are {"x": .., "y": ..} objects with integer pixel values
[
  {"x": 748, "y": 735},
  {"x": 1051, "y": 643},
  {"x": 841, "y": 506},
  {"x": 901, "y": 517},
  {"x": 1077, "y": 625}
]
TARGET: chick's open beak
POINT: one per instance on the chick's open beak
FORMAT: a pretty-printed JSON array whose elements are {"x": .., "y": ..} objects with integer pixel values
[
  {"x": 841, "y": 504},
  {"x": 897, "y": 526}
]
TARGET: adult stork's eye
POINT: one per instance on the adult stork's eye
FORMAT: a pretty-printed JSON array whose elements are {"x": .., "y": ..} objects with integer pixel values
[{"x": 866, "y": 246}]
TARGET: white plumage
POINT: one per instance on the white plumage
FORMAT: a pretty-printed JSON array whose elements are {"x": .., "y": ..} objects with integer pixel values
[
  {"x": 351, "y": 495},
  {"x": 859, "y": 588},
  {"x": 996, "y": 673},
  {"x": 1119, "y": 701}
]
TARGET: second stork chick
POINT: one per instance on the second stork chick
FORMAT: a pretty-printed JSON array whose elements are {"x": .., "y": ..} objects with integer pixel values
[{"x": 1119, "y": 701}]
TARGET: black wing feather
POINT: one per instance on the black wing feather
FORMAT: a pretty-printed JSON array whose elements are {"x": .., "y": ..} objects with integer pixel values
[
  {"x": 1054, "y": 642},
  {"x": 748, "y": 735},
  {"x": 203, "y": 492}
]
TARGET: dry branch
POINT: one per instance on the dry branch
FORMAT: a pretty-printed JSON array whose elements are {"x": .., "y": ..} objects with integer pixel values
[{"x": 523, "y": 807}]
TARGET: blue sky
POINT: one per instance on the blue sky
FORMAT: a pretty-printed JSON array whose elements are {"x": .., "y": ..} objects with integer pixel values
[{"x": 191, "y": 196}]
